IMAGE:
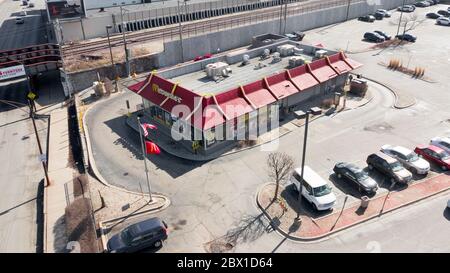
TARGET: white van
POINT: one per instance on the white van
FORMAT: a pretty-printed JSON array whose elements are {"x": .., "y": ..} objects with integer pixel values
[{"x": 315, "y": 189}]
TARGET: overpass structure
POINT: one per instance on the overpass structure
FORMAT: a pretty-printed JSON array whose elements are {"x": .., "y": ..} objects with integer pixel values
[{"x": 36, "y": 59}]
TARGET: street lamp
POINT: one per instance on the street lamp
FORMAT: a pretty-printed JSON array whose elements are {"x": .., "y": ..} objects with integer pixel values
[
  {"x": 314, "y": 111},
  {"x": 401, "y": 15},
  {"x": 180, "y": 30},
  {"x": 112, "y": 59},
  {"x": 127, "y": 56}
]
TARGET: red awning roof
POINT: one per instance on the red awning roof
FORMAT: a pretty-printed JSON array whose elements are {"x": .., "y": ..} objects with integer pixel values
[
  {"x": 233, "y": 104},
  {"x": 338, "y": 63},
  {"x": 258, "y": 94},
  {"x": 322, "y": 71},
  {"x": 281, "y": 86},
  {"x": 302, "y": 78}
]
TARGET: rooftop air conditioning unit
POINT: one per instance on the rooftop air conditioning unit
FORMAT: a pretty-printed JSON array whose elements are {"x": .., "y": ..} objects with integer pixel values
[
  {"x": 276, "y": 57},
  {"x": 286, "y": 50},
  {"x": 216, "y": 69},
  {"x": 245, "y": 59},
  {"x": 265, "y": 54},
  {"x": 298, "y": 51},
  {"x": 295, "y": 61},
  {"x": 320, "y": 53}
]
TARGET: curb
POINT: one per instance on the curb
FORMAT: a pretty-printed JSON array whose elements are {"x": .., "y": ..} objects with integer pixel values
[
  {"x": 396, "y": 106},
  {"x": 317, "y": 238}
]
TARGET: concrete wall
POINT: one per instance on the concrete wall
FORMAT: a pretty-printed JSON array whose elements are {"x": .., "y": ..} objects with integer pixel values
[{"x": 94, "y": 26}]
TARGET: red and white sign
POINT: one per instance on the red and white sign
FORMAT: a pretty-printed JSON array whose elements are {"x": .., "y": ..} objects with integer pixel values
[{"x": 12, "y": 72}]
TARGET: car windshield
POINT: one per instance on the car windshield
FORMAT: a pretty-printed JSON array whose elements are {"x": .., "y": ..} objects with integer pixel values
[
  {"x": 412, "y": 157},
  {"x": 361, "y": 175},
  {"x": 396, "y": 166},
  {"x": 444, "y": 155},
  {"x": 322, "y": 190},
  {"x": 126, "y": 236}
]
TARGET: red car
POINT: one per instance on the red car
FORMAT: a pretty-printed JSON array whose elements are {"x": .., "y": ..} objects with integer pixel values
[{"x": 434, "y": 154}]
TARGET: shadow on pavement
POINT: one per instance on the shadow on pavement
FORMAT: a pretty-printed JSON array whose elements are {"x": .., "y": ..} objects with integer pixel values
[{"x": 129, "y": 139}]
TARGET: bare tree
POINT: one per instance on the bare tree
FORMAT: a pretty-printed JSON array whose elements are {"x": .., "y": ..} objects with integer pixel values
[
  {"x": 280, "y": 166},
  {"x": 408, "y": 22}
]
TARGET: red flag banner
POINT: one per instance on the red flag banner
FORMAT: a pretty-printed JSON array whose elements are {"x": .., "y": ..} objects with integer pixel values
[
  {"x": 147, "y": 126},
  {"x": 152, "y": 148}
]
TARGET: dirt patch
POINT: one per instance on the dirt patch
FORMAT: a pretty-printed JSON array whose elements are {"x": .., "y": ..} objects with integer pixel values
[
  {"x": 80, "y": 227},
  {"x": 80, "y": 186}
]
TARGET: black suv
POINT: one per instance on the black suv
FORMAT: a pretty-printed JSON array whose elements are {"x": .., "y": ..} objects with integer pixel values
[
  {"x": 367, "y": 18},
  {"x": 373, "y": 37},
  {"x": 406, "y": 37},
  {"x": 148, "y": 233},
  {"x": 354, "y": 174},
  {"x": 390, "y": 167}
]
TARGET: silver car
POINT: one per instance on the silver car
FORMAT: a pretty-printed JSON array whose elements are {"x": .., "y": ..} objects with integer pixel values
[
  {"x": 408, "y": 158},
  {"x": 441, "y": 142}
]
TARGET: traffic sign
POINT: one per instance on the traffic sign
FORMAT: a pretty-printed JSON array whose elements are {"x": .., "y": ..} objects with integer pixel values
[{"x": 32, "y": 96}]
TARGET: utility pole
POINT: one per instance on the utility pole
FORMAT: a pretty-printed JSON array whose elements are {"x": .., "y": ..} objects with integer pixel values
[
  {"x": 180, "y": 31},
  {"x": 285, "y": 15},
  {"x": 348, "y": 9},
  {"x": 112, "y": 59},
  {"x": 303, "y": 165},
  {"x": 401, "y": 15},
  {"x": 281, "y": 14},
  {"x": 145, "y": 159},
  {"x": 127, "y": 57}
]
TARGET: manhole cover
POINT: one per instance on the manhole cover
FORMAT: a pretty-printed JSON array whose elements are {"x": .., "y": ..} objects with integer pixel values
[{"x": 379, "y": 128}]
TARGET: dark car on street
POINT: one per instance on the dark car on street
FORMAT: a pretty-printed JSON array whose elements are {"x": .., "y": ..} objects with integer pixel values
[
  {"x": 390, "y": 167},
  {"x": 444, "y": 13},
  {"x": 383, "y": 34},
  {"x": 373, "y": 37},
  {"x": 367, "y": 18},
  {"x": 357, "y": 176},
  {"x": 406, "y": 37},
  {"x": 142, "y": 235},
  {"x": 433, "y": 15},
  {"x": 378, "y": 15}
]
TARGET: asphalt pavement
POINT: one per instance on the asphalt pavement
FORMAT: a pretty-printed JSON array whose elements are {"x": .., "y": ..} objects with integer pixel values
[{"x": 31, "y": 32}]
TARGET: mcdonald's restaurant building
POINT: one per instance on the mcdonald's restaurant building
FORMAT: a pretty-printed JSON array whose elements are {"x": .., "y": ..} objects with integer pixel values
[{"x": 214, "y": 114}]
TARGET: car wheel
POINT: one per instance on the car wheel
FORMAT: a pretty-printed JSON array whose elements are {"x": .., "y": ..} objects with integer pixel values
[
  {"x": 339, "y": 175},
  {"x": 314, "y": 206},
  {"x": 157, "y": 244}
]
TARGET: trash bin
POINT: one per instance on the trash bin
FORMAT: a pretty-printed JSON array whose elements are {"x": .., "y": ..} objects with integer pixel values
[{"x": 365, "y": 201}]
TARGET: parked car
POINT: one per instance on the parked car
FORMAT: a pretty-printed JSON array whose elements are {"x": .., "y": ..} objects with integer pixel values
[
  {"x": 31, "y": 5},
  {"x": 443, "y": 21},
  {"x": 407, "y": 8},
  {"x": 406, "y": 37},
  {"x": 358, "y": 176},
  {"x": 373, "y": 37},
  {"x": 389, "y": 166},
  {"x": 441, "y": 142},
  {"x": 434, "y": 154},
  {"x": 315, "y": 189},
  {"x": 378, "y": 15},
  {"x": 408, "y": 158},
  {"x": 433, "y": 15},
  {"x": 367, "y": 18},
  {"x": 444, "y": 13},
  {"x": 422, "y": 4},
  {"x": 383, "y": 34},
  {"x": 139, "y": 236},
  {"x": 385, "y": 12},
  {"x": 23, "y": 13},
  {"x": 431, "y": 2},
  {"x": 19, "y": 20}
]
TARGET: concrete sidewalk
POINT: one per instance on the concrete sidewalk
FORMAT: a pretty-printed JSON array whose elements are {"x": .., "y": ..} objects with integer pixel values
[
  {"x": 60, "y": 173},
  {"x": 312, "y": 229}
]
